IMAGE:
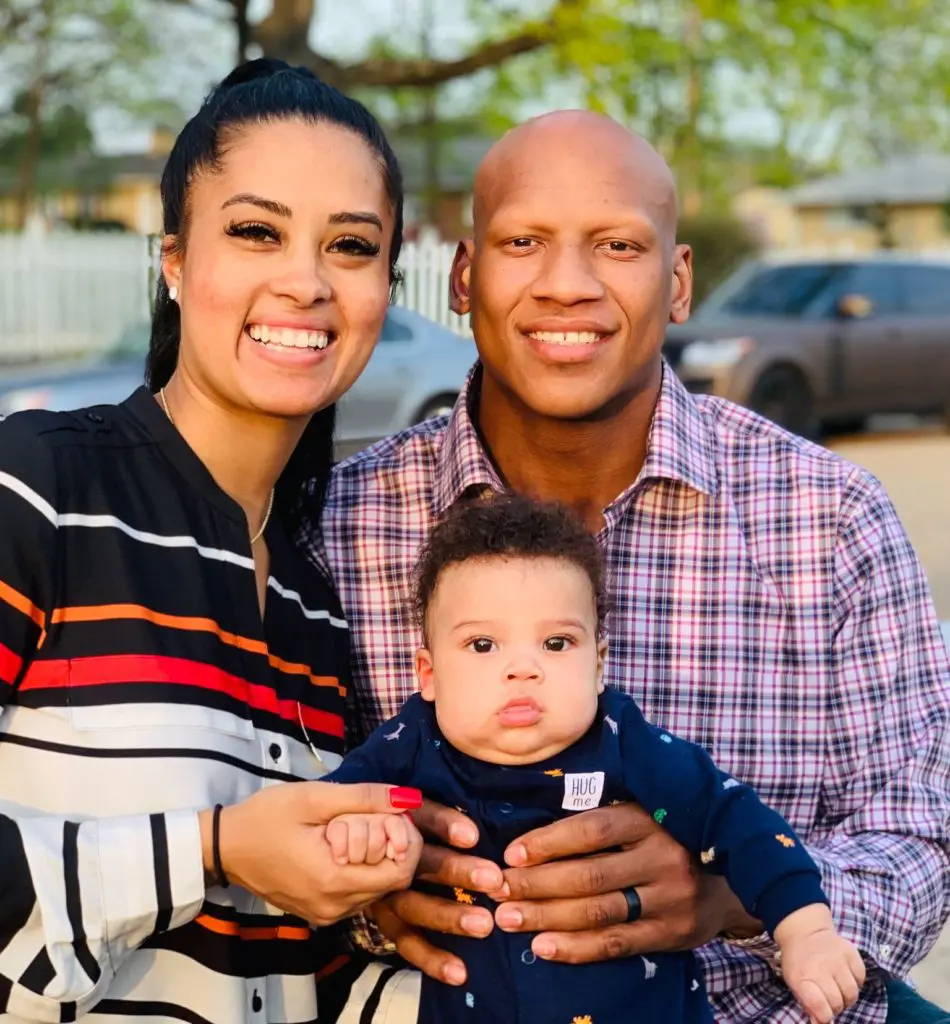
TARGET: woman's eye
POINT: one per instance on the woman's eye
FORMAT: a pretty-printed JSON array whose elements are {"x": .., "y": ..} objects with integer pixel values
[
  {"x": 353, "y": 245},
  {"x": 254, "y": 232},
  {"x": 482, "y": 645},
  {"x": 557, "y": 643}
]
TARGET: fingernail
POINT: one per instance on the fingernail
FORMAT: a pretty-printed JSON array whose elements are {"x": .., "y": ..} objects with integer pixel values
[
  {"x": 476, "y": 924},
  {"x": 543, "y": 948},
  {"x": 454, "y": 973},
  {"x": 463, "y": 835},
  {"x": 503, "y": 893},
  {"x": 508, "y": 917},
  {"x": 517, "y": 855},
  {"x": 404, "y": 798},
  {"x": 485, "y": 878}
]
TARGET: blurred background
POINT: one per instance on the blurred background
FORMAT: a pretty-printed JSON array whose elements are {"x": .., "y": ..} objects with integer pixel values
[{"x": 811, "y": 145}]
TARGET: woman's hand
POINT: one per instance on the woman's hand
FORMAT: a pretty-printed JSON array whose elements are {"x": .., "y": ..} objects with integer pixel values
[{"x": 274, "y": 845}]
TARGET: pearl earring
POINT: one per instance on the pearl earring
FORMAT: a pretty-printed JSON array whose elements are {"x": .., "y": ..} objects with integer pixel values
[{"x": 173, "y": 293}]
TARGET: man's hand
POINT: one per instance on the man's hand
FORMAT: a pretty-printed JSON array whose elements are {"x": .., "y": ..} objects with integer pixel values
[
  {"x": 402, "y": 916},
  {"x": 577, "y": 904},
  {"x": 274, "y": 845}
]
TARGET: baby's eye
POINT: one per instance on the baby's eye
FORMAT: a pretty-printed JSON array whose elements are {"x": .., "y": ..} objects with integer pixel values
[
  {"x": 557, "y": 643},
  {"x": 481, "y": 645}
]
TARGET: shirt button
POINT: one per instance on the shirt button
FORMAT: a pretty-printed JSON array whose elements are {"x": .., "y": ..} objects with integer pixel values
[
  {"x": 885, "y": 951},
  {"x": 257, "y": 1004},
  {"x": 275, "y": 752},
  {"x": 527, "y": 957},
  {"x": 94, "y": 417},
  {"x": 506, "y": 808}
]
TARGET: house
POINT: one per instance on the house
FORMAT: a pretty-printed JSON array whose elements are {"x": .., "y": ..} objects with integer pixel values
[
  {"x": 122, "y": 192},
  {"x": 457, "y": 160},
  {"x": 99, "y": 192},
  {"x": 903, "y": 203}
]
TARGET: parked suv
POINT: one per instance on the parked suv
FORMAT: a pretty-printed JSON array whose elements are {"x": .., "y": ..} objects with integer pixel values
[{"x": 823, "y": 342}]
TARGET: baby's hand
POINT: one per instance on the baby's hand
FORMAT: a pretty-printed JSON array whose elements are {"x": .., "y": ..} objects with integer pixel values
[
  {"x": 823, "y": 970},
  {"x": 368, "y": 838}
]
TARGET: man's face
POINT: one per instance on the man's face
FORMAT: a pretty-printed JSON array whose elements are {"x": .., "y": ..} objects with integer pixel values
[{"x": 575, "y": 275}]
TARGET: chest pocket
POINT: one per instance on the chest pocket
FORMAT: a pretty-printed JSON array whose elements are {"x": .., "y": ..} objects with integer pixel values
[{"x": 175, "y": 703}]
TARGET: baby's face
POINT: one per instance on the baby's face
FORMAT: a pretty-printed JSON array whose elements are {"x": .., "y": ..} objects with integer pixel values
[{"x": 513, "y": 663}]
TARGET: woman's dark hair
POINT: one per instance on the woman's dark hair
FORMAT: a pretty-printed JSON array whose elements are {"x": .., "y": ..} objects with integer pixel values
[
  {"x": 261, "y": 92},
  {"x": 507, "y": 526}
]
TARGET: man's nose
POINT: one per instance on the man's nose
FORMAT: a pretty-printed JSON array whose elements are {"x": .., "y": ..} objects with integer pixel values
[{"x": 568, "y": 276}]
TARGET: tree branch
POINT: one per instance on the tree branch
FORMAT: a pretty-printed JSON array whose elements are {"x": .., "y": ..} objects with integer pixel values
[{"x": 283, "y": 33}]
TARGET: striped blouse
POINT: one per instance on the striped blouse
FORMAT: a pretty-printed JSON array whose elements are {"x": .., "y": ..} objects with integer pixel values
[{"x": 139, "y": 684}]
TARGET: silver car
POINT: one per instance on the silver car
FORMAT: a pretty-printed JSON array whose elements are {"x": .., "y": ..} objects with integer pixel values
[{"x": 415, "y": 372}]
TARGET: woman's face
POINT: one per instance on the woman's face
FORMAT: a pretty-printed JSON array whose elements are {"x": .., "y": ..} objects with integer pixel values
[{"x": 284, "y": 279}]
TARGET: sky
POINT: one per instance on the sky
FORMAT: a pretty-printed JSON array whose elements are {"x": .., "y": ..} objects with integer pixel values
[{"x": 200, "y": 51}]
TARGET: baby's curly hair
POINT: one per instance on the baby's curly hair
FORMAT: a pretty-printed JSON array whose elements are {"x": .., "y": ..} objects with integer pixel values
[{"x": 507, "y": 526}]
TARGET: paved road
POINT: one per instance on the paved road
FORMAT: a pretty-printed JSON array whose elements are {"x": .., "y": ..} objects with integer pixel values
[{"x": 914, "y": 466}]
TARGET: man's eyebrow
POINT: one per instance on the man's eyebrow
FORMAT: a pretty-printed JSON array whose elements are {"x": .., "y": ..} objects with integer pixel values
[
  {"x": 356, "y": 217},
  {"x": 271, "y": 205}
]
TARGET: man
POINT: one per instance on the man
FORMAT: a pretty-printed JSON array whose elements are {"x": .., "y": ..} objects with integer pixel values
[{"x": 766, "y": 601}]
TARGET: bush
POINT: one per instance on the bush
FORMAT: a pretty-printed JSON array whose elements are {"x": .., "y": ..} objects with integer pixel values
[{"x": 720, "y": 243}]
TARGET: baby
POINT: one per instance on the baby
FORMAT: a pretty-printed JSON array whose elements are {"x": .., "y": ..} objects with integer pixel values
[{"x": 513, "y": 726}]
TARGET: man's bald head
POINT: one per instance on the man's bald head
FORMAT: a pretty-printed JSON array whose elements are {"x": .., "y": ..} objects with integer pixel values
[{"x": 592, "y": 147}]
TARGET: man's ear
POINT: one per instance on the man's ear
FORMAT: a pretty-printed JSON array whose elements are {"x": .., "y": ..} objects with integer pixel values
[
  {"x": 682, "y": 284},
  {"x": 460, "y": 280},
  {"x": 425, "y": 674},
  {"x": 601, "y": 657}
]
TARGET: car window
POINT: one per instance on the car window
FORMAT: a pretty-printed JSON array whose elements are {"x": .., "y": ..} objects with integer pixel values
[
  {"x": 925, "y": 291},
  {"x": 780, "y": 291},
  {"x": 873, "y": 285}
]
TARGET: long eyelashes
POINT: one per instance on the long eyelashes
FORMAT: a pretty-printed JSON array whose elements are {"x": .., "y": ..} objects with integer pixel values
[{"x": 348, "y": 245}]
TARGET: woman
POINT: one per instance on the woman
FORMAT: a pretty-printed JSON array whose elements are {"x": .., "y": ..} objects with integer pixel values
[{"x": 163, "y": 652}]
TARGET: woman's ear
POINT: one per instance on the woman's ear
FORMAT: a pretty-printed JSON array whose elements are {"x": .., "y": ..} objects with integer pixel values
[
  {"x": 171, "y": 263},
  {"x": 425, "y": 674},
  {"x": 460, "y": 280}
]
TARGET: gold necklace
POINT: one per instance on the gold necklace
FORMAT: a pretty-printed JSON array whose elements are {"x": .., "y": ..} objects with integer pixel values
[{"x": 270, "y": 501}]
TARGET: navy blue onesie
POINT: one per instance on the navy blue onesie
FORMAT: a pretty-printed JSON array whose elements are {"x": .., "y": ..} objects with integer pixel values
[{"x": 621, "y": 758}]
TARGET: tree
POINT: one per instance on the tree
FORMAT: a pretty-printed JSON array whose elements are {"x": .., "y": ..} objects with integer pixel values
[
  {"x": 60, "y": 53},
  {"x": 284, "y": 33}
]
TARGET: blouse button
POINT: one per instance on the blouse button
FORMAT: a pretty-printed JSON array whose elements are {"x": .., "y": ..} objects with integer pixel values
[
  {"x": 275, "y": 751},
  {"x": 506, "y": 808},
  {"x": 94, "y": 417},
  {"x": 527, "y": 957}
]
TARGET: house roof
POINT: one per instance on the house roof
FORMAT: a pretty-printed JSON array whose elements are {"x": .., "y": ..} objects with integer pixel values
[
  {"x": 902, "y": 181},
  {"x": 459, "y": 157}
]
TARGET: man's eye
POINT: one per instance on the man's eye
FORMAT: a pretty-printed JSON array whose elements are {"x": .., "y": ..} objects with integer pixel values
[
  {"x": 521, "y": 243},
  {"x": 557, "y": 643},
  {"x": 254, "y": 231},
  {"x": 482, "y": 645}
]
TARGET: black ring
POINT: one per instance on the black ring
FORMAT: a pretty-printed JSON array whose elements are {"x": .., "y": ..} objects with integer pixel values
[{"x": 634, "y": 906}]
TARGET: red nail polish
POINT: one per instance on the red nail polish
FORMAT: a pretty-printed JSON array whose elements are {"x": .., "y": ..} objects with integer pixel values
[{"x": 405, "y": 798}]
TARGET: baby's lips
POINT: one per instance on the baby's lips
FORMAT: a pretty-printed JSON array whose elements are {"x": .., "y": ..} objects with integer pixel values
[{"x": 405, "y": 798}]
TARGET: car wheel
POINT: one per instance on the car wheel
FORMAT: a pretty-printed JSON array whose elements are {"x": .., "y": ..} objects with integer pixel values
[
  {"x": 782, "y": 395},
  {"x": 441, "y": 405}
]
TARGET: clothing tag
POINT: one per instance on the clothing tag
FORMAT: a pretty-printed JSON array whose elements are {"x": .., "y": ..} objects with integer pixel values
[{"x": 582, "y": 791}]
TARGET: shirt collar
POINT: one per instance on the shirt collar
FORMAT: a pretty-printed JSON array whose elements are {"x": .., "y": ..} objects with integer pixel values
[
  {"x": 462, "y": 463},
  {"x": 680, "y": 447}
]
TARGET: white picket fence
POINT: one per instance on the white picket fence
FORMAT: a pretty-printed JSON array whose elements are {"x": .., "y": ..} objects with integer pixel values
[{"x": 61, "y": 294}]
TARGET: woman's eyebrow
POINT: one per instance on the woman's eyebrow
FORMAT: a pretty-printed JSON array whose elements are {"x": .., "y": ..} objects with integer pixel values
[
  {"x": 271, "y": 205},
  {"x": 356, "y": 217}
]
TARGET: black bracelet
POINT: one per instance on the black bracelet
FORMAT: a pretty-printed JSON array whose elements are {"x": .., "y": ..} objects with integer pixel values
[{"x": 219, "y": 875}]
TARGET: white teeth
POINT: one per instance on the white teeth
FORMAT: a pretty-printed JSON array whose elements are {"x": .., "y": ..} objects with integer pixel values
[
  {"x": 565, "y": 337},
  {"x": 287, "y": 337}
]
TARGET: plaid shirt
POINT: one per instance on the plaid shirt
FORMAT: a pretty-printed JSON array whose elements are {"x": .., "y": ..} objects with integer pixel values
[{"x": 768, "y": 605}]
